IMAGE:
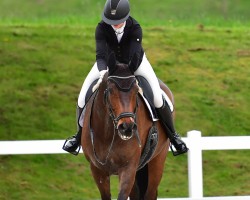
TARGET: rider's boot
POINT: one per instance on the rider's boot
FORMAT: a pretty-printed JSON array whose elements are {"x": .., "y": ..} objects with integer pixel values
[
  {"x": 72, "y": 144},
  {"x": 165, "y": 116}
]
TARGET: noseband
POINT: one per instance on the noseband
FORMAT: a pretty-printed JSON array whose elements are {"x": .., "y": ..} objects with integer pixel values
[{"x": 115, "y": 118}]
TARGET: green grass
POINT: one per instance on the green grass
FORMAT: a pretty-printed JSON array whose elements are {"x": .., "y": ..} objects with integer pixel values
[
  {"x": 169, "y": 12},
  {"x": 46, "y": 51}
]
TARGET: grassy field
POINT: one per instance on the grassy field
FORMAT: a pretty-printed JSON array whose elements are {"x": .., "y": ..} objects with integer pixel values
[
  {"x": 88, "y": 12},
  {"x": 201, "y": 50}
]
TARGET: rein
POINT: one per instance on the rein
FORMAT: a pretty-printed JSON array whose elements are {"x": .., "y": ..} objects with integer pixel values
[{"x": 92, "y": 136}]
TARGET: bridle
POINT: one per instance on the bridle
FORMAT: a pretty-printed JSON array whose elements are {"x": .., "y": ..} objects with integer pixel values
[{"x": 115, "y": 118}]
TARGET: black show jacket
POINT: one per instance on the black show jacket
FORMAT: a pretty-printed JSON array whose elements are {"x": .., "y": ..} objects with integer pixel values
[{"x": 130, "y": 44}]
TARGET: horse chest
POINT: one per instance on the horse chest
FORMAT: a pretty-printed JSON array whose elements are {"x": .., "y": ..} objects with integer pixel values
[{"x": 111, "y": 167}]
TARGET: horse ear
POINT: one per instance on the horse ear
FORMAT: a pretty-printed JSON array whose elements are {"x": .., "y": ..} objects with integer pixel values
[
  {"x": 133, "y": 63},
  {"x": 111, "y": 63}
]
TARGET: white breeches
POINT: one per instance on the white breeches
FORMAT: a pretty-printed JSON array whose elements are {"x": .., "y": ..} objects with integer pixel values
[
  {"x": 91, "y": 77},
  {"x": 145, "y": 70}
]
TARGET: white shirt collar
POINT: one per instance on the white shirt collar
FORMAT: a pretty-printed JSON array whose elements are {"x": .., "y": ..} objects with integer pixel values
[{"x": 119, "y": 30}]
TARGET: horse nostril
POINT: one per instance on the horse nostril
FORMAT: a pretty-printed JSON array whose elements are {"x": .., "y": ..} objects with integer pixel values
[
  {"x": 122, "y": 127},
  {"x": 126, "y": 127}
]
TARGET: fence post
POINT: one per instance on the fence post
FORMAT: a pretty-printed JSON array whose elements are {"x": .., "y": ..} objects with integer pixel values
[{"x": 195, "y": 176}]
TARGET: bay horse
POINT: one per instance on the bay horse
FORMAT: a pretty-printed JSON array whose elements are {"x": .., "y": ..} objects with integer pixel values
[{"x": 114, "y": 134}]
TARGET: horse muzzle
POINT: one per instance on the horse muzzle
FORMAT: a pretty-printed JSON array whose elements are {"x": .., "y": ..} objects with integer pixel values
[{"x": 126, "y": 130}]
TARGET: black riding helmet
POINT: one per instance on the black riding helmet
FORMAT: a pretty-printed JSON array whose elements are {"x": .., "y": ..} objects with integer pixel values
[{"x": 116, "y": 11}]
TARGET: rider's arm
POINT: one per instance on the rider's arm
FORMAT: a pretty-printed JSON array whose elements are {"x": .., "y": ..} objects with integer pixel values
[
  {"x": 135, "y": 45},
  {"x": 101, "y": 48}
]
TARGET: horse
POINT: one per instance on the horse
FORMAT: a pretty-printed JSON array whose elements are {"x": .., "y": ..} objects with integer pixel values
[{"x": 114, "y": 135}]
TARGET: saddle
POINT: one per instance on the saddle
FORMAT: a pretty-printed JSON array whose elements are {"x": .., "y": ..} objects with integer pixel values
[
  {"x": 152, "y": 139},
  {"x": 89, "y": 92},
  {"x": 148, "y": 96}
]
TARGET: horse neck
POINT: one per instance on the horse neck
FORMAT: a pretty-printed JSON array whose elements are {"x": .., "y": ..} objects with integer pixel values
[
  {"x": 99, "y": 104},
  {"x": 100, "y": 114}
]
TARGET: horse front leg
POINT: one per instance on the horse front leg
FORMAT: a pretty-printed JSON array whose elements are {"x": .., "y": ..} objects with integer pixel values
[
  {"x": 102, "y": 180},
  {"x": 155, "y": 171},
  {"x": 126, "y": 182}
]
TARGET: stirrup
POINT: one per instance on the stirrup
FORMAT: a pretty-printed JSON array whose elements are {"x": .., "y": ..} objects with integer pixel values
[
  {"x": 177, "y": 152},
  {"x": 75, "y": 151}
]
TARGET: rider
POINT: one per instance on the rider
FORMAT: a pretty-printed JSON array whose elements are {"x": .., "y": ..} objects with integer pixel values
[{"x": 118, "y": 32}]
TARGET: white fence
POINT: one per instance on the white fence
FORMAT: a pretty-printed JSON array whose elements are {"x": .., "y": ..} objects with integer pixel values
[{"x": 195, "y": 142}]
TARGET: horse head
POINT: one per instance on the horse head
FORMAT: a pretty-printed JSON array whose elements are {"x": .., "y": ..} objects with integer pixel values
[{"x": 121, "y": 97}]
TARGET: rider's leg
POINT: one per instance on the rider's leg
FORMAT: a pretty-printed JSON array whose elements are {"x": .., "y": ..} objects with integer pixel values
[
  {"x": 162, "y": 106},
  {"x": 165, "y": 116},
  {"x": 72, "y": 144}
]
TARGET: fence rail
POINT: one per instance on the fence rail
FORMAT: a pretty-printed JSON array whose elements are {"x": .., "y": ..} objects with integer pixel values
[{"x": 194, "y": 140}]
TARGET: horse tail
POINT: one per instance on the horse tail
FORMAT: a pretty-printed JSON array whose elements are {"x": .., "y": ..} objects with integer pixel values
[{"x": 142, "y": 181}]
